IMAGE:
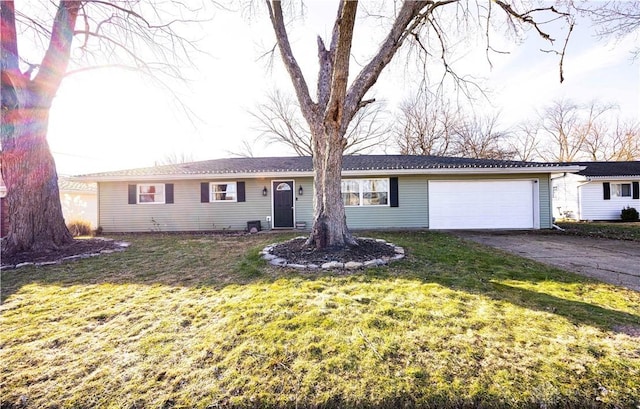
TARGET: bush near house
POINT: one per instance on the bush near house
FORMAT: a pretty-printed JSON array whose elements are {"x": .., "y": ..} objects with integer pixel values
[
  {"x": 79, "y": 228},
  {"x": 629, "y": 214}
]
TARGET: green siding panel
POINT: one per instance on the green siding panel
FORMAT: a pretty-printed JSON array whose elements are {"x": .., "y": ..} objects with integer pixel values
[
  {"x": 189, "y": 214},
  {"x": 186, "y": 214}
]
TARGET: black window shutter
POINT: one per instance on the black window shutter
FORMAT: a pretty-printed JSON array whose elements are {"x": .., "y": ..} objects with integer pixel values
[
  {"x": 636, "y": 190},
  {"x": 393, "y": 192},
  {"x": 132, "y": 194},
  {"x": 204, "y": 192},
  {"x": 241, "y": 195},
  {"x": 607, "y": 190},
  {"x": 168, "y": 193}
]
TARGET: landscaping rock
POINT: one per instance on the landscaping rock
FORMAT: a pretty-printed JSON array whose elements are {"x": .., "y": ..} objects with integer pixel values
[
  {"x": 375, "y": 263},
  {"x": 332, "y": 264},
  {"x": 47, "y": 263},
  {"x": 296, "y": 254},
  {"x": 353, "y": 265},
  {"x": 297, "y": 266},
  {"x": 278, "y": 262}
]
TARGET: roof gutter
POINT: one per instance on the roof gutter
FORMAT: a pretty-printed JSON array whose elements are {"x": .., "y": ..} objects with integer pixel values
[
  {"x": 620, "y": 177},
  {"x": 347, "y": 173}
]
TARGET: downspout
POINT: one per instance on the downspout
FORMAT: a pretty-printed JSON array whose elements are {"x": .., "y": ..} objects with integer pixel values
[
  {"x": 98, "y": 205},
  {"x": 558, "y": 177}
]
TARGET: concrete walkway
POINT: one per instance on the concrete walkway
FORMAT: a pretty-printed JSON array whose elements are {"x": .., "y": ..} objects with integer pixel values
[{"x": 613, "y": 261}]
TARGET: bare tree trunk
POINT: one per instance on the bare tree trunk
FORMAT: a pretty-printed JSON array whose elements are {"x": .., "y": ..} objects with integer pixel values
[
  {"x": 28, "y": 169},
  {"x": 29, "y": 172},
  {"x": 329, "y": 221}
]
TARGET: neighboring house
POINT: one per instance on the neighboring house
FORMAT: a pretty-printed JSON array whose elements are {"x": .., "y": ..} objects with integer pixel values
[
  {"x": 379, "y": 191},
  {"x": 79, "y": 202},
  {"x": 598, "y": 192}
]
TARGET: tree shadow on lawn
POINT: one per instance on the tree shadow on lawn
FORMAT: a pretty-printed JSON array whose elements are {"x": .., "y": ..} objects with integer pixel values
[
  {"x": 480, "y": 270},
  {"x": 433, "y": 258}
]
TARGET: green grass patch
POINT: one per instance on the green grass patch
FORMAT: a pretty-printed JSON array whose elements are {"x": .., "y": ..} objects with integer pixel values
[
  {"x": 202, "y": 321},
  {"x": 607, "y": 230}
]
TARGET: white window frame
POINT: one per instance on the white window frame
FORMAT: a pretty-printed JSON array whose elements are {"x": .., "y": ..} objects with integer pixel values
[
  {"x": 139, "y": 193},
  {"x": 361, "y": 192},
  {"x": 616, "y": 190},
  {"x": 212, "y": 193}
]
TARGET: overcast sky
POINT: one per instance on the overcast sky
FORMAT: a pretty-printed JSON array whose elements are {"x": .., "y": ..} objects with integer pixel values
[{"x": 108, "y": 119}]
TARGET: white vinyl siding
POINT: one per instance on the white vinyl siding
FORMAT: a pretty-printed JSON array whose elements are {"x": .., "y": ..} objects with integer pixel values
[
  {"x": 593, "y": 206},
  {"x": 565, "y": 203},
  {"x": 79, "y": 206}
]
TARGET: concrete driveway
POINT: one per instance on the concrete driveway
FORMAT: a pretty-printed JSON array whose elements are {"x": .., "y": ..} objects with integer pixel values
[{"x": 613, "y": 261}]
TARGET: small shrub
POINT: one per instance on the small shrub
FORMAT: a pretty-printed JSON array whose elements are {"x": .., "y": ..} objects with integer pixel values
[
  {"x": 98, "y": 231},
  {"x": 629, "y": 214},
  {"x": 79, "y": 228}
]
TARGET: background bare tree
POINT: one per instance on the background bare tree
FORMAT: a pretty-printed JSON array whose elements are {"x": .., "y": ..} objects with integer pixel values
[
  {"x": 625, "y": 144},
  {"x": 566, "y": 127},
  {"x": 524, "y": 143},
  {"x": 427, "y": 124},
  {"x": 280, "y": 121},
  {"x": 424, "y": 125},
  {"x": 123, "y": 33},
  {"x": 246, "y": 149},
  {"x": 614, "y": 18},
  {"x": 568, "y": 131},
  {"x": 480, "y": 137},
  {"x": 174, "y": 158}
]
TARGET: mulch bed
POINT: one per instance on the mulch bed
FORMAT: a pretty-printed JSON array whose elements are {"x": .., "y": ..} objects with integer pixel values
[
  {"x": 296, "y": 252},
  {"x": 77, "y": 247}
]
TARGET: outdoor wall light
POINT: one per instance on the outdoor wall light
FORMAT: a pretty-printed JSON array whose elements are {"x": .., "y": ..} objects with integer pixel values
[
  {"x": 264, "y": 191},
  {"x": 300, "y": 191}
]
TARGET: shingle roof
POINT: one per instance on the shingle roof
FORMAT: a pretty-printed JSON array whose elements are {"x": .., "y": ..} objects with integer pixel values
[
  {"x": 304, "y": 164},
  {"x": 601, "y": 169},
  {"x": 66, "y": 185}
]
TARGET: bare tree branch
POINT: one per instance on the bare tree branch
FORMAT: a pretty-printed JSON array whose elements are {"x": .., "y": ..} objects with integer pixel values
[
  {"x": 614, "y": 19},
  {"x": 279, "y": 121},
  {"x": 300, "y": 84}
]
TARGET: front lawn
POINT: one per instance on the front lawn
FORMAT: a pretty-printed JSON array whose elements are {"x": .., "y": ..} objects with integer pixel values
[
  {"x": 202, "y": 321},
  {"x": 606, "y": 230}
]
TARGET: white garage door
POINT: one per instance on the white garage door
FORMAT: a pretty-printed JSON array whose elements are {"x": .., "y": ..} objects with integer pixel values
[{"x": 485, "y": 204}]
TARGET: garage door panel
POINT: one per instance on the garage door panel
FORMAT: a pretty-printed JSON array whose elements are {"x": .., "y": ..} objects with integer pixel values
[{"x": 481, "y": 204}]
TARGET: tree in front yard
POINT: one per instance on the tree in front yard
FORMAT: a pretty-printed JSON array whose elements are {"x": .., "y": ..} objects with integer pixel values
[
  {"x": 105, "y": 33},
  {"x": 341, "y": 94}
]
